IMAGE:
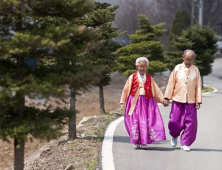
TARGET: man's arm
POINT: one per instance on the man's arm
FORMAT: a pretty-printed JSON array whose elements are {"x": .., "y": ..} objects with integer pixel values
[
  {"x": 198, "y": 88},
  {"x": 170, "y": 86}
]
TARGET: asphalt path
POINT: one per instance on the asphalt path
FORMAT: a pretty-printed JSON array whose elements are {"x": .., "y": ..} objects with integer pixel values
[{"x": 206, "y": 152}]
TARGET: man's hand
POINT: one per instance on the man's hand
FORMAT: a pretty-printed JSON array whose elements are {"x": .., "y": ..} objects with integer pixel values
[{"x": 197, "y": 105}]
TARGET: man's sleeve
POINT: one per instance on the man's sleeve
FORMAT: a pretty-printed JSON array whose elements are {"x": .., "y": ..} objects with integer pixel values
[
  {"x": 199, "y": 89},
  {"x": 170, "y": 86}
]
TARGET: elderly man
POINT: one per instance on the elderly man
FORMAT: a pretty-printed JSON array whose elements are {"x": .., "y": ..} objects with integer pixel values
[{"x": 184, "y": 89}]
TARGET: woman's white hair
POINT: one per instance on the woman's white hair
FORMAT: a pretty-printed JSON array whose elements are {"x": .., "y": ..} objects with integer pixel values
[{"x": 142, "y": 59}]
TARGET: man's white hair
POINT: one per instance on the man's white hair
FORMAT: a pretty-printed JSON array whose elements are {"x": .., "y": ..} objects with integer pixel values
[
  {"x": 188, "y": 50},
  {"x": 142, "y": 59}
]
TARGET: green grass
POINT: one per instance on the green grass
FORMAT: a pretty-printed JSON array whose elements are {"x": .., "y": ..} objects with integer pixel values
[
  {"x": 93, "y": 163},
  {"x": 207, "y": 89}
]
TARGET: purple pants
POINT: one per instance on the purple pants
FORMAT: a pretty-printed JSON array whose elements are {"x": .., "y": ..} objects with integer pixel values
[
  {"x": 145, "y": 125},
  {"x": 183, "y": 117}
]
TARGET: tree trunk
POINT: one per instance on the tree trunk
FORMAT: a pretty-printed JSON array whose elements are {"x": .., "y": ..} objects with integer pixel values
[
  {"x": 19, "y": 144},
  {"x": 72, "y": 119},
  {"x": 202, "y": 80},
  {"x": 201, "y": 12},
  {"x": 192, "y": 13},
  {"x": 19, "y": 147},
  {"x": 101, "y": 100}
]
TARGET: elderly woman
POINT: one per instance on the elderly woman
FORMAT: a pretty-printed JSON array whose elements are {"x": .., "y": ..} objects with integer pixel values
[
  {"x": 142, "y": 118},
  {"x": 184, "y": 88}
]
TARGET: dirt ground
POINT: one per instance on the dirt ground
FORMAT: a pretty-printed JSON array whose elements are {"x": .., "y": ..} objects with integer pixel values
[{"x": 87, "y": 105}]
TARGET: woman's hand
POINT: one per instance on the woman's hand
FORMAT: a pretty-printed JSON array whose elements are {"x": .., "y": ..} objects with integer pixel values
[{"x": 121, "y": 105}]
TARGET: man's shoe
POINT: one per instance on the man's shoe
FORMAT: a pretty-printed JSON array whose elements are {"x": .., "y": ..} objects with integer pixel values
[
  {"x": 185, "y": 148},
  {"x": 136, "y": 146},
  {"x": 174, "y": 142}
]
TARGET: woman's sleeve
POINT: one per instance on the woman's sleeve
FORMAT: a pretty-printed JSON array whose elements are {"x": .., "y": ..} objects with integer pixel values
[
  {"x": 126, "y": 90},
  {"x": 157, "y": 93}
]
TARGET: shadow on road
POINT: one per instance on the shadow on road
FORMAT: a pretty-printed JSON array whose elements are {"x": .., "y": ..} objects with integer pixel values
[
  {"x": 192, "y": 149},
  {"x": 125, "y": 139},
  {"x": 158, "y": 148},
  {"x": 121, "y": 139},
  {"x": 206, "y": 150},
  {"x": 173, "y": 149}
]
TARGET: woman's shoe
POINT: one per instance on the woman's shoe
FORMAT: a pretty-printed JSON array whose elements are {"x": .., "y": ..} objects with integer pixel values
[{"x": 136, "y": 146}]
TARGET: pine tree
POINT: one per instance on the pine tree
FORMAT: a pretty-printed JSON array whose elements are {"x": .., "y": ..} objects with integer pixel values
[
  {"x": 200, "y": 39},
  {"x": 181, "y": 21},
  {"x": 143, "y": 43},
  {"x": 103, "y": 56},
  {"x": 39, "y": 41}
]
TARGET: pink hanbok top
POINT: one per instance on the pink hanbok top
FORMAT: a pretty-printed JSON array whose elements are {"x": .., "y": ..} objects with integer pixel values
[
  {"x": 184, "y": 85},
  {"x": 156, "y": 92}
]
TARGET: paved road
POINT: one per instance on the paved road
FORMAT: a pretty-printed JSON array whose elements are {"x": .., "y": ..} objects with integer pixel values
[{"x": 206, "y": 152}]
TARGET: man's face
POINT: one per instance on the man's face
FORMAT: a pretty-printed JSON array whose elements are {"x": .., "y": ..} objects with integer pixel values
[
  {"x": 142, "y": 67},
  {"x": 188, "y": 59}
]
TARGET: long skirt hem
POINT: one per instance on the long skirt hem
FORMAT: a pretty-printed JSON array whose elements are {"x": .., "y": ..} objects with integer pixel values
[{"x": 145, "y": 125}]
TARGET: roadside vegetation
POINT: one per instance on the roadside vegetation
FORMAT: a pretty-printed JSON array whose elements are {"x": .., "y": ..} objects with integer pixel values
[
  {"x": 79, "y": 154},
  {"x": 58, "y": 49},
  {"x": 207, "y": 89}
]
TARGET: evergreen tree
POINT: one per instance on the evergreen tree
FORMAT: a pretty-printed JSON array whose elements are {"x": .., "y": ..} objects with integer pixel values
[
  {"x": 39, "y": 41},
  {"x": 103, "y": 56},
  {"x": 181, "y": 21},
  {"x": 200, "y": 39},
  {"x": 143, "y": 43}
]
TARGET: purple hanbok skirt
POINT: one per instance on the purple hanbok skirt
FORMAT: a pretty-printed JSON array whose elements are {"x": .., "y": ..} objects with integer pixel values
[{"x": 145, "y": 125}]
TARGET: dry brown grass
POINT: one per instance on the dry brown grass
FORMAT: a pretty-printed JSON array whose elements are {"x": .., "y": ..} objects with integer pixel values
[{"x": 87, "y": 105}]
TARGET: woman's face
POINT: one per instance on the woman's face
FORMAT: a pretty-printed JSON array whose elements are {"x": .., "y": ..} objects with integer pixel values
[{"x": 142, "y": 67}]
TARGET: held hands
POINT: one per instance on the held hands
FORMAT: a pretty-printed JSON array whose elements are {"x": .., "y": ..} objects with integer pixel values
[{"x": 166, "y": 102}]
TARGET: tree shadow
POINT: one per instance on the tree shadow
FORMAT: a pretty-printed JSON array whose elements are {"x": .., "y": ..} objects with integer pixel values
[
  {"x": 157, "y": 148},
  {"x": 121, "y": 139},
  {"x": 205, "y": 150},
  {"x": 178, "y": 148},
  {"x": 125, "y": 139}
]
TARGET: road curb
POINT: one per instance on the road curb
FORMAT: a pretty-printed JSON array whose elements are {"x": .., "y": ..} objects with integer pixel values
[
  {"x": 206, "y": 93},
  {"x": 107, "y": 153}
]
